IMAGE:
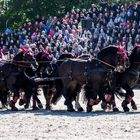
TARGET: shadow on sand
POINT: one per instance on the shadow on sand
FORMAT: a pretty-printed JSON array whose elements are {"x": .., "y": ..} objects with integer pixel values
[{"x": 65, "y": 113}]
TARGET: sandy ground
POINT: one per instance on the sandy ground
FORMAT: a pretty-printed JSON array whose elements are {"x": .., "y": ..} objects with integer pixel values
[{"x": 61, "y": 125}]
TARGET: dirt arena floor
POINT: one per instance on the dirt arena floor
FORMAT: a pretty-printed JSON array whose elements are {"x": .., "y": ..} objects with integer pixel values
[{"x": 61, "y": 125}]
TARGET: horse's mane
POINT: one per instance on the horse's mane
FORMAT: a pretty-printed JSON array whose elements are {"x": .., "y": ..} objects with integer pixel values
[
  {"x": 19, "y": 56},
  {"x": 84, "y": 56},
  {"x": 45, "y": 56},
  {"x": 65, "y": 56},
  {"x": 107, "y": 51},
  {"x": 133, "y": 55},
  {"x": 38, "y": 56}
]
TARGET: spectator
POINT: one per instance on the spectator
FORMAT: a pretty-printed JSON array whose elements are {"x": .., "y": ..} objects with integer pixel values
[{"x": 106, "y": 25}]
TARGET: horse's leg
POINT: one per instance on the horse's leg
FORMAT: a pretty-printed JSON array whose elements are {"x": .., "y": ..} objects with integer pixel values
[
  {"x": 1, "y": 99},
  {"x": 5, "y": 99},
  {"x": 13, "y": 102},
  {"x": 68, "y": 102},
  {"x": 110, "y": 99},
  {"x": 57, "y": 95},
  {"x": 34, "y": 106},
  {"x": 12, "y": 84},
  {"x": 27, "y": 97},
  {"x": 22, "y": 100},
  {"x": 113, "y": 103},
  {"x": 91, "y": 102},
  {"x": 68, "y": 94},
  {"x": 38, "y": 102},
  {"x": 48, "y": 95},
  {"x": 91, "y": 95},
  {"x": 77, "y": 104},
  {"x": 89, "y": 98},
  {"x": 101, "y": 95},
  {"x": 133, "y": 104},
  {"x": 128, "y": 97},
  {"x": 76, "y": 98}
]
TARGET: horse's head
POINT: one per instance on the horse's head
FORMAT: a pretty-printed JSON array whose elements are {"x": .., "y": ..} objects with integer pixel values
[
  {"x": 115, "y": 57},
  {"x": 27, "y": 59},
  {"x": 45, "y": 62},
  {"x": 122, "y": 60}
]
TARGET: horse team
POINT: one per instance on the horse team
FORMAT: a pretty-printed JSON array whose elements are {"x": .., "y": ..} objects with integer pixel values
[{"x": 101, "y": 77}]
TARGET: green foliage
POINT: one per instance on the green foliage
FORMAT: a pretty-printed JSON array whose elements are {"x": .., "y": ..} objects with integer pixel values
[
  {"x": 121, "y": 1},
  {"x": 86, "y": 3},
  {"x": 19, "y": 11}
]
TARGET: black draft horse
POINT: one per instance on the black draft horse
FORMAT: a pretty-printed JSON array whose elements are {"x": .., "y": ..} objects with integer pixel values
[
  {"x": 44, "y": 70},
  {"x": 13, "y": 74},
  {"x": 106, "y": 56},
  {"x": 93, "y": 73},
  {"x": 49, "y": 69},
  {"x": 129, "y": 79},
  {"x": 52, "y": 88}
]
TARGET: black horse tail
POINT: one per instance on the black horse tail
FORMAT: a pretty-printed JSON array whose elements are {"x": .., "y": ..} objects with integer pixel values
[{"x": 59, "y": 92}]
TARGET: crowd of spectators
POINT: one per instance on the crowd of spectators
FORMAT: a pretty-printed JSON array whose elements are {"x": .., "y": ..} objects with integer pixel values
[{"x": 79, "y": 31}]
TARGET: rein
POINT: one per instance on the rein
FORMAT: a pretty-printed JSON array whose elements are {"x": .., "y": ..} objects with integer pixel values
[
  {"x": 41, "y": 62},
  {"x": 107, "y": 64},
  {"x": 136, "y": 62},
  {"x": 20, "y": 63},
  {"x": 16, "y": 63}
]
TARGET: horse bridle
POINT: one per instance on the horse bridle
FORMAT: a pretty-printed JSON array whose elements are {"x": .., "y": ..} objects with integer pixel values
[{"x": 29, "y": 62}]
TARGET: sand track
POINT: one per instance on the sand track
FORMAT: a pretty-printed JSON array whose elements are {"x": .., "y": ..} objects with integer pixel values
[{"x": 61, "y": 125}]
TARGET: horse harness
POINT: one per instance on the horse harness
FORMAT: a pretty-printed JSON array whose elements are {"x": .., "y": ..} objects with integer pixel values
[{"x": 109, "y": 74}]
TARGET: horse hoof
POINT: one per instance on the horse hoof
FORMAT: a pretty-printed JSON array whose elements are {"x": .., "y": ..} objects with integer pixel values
[
  {"x": 124, "y": 105},
  {"x": 70, "y": 110},
  {"x": 104, "y": 105},
  {"x": 21, "y": 102},
  {"x": 11, "y": 104},
  {"x": 115, "y": 110},
  {"x": 40, "y": 106},
  {"x": 134, "y": 107},
  {"x": 26, "y": 106},
  {"x": 54, "y": 101},
  {"x": 48, "y": 107},
  {"x": 89, "y": 109},
  {"x": 14, "y": 109},
  {"x": 80, "y": 109},
  {"x": 65, "y": 103},
  {"x": 35, "y": 108},
  {"x": 126, "y": 109}
]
